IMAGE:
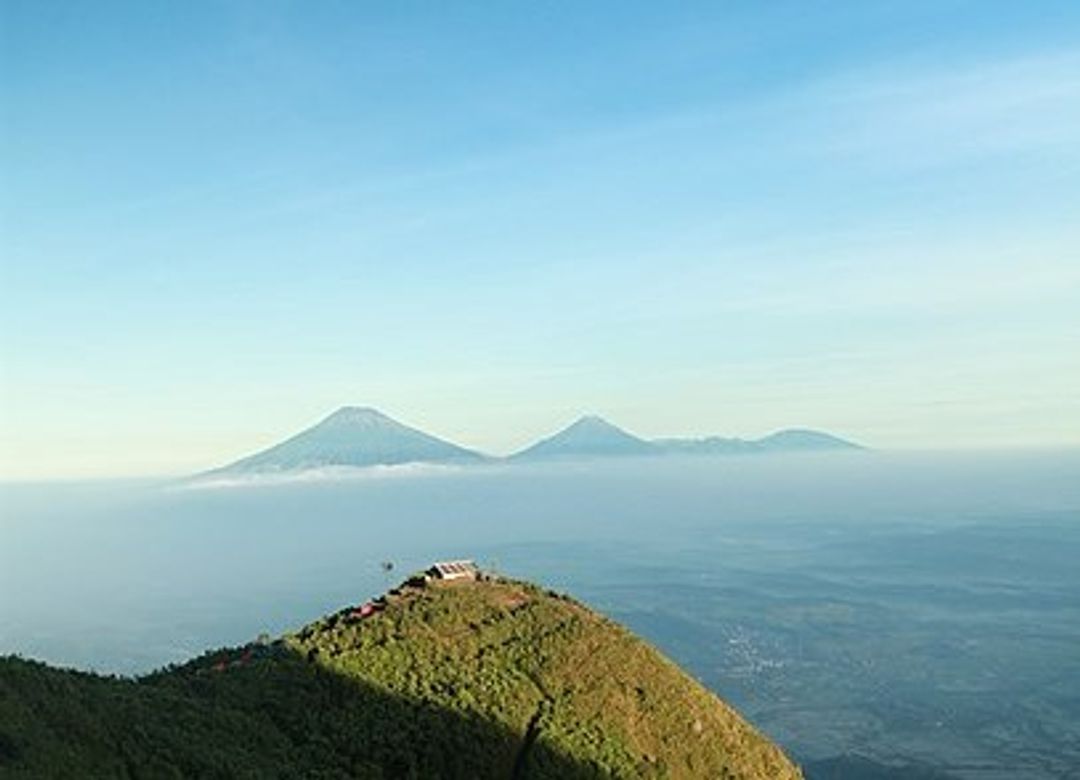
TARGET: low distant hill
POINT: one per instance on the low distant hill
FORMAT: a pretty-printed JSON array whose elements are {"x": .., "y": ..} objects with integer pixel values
[
  {"x": 790, "y": 440},
  {"x": 589, "y": 436},
  {"x": 800, "y": 439},
  {"x": 352, "y": 436},
  {"x": 475, "y": 679}
]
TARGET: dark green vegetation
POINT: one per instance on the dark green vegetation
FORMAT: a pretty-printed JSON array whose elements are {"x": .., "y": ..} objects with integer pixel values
[{"x": 487, "y": 679}]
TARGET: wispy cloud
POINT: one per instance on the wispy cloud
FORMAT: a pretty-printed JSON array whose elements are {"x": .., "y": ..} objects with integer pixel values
[
  {"x": 314, "y": 475},
  {"x": 953, "y": 112}
]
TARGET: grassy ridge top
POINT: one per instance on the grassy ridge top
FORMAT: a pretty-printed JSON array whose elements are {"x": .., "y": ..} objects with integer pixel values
[{"x": 475, "y": 679}]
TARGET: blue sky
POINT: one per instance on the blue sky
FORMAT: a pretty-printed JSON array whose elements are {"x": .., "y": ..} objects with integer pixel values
[{"x": 222, "y": 220}]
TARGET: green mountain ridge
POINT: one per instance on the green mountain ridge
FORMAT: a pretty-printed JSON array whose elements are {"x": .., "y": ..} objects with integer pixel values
[{"x": 475, "y": 679}]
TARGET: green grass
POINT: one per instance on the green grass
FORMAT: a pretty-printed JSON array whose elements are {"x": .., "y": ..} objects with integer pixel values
[{"x": 474, "y": 680}]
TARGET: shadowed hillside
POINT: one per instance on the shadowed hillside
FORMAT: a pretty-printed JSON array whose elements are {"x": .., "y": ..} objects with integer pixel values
[
  {"x": 277, "y": 716},
  {"x": 476, "y": 679}
]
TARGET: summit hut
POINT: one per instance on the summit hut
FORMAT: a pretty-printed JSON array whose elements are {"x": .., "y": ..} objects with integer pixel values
[{"x": 450, "y": 571}]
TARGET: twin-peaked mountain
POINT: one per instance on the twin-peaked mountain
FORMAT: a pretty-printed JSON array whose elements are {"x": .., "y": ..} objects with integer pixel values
[
  {"x": 593, "y": 436},
  {"x": 361, "y": 436}
]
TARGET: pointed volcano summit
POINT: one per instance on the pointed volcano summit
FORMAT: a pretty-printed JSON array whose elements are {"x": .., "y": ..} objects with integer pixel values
[
  {"x": 590, "y": 436},
  {"x": 352, "y": 436}
]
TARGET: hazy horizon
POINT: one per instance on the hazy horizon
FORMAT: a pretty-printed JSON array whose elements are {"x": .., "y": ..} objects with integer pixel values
[
  {"x": 919, "y": 610},
  {"x": 344, "y": 472}
]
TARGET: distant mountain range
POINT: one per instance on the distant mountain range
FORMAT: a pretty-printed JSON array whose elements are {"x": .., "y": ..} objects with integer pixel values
[{"x": 361, "y": 436}]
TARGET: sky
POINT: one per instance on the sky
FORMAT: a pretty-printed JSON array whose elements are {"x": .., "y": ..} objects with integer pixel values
[{"x": 220, "y": 221}]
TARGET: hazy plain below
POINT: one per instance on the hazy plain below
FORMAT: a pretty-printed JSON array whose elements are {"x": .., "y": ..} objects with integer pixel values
[{"x": 915, "y": 609}]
